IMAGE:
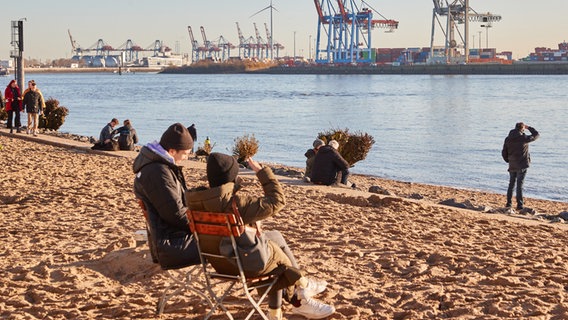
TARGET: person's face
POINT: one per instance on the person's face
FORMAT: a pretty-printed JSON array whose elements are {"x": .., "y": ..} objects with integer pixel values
[{"x": 179, "y": 155}]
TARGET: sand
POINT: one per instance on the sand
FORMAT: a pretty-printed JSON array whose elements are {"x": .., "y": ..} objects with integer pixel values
[{"x": 68, "y": 222}]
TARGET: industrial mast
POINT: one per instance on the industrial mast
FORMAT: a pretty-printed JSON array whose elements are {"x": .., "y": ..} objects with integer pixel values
[
  {"x": 457, "y": 12},
  {"x": 344, "y": 31}
]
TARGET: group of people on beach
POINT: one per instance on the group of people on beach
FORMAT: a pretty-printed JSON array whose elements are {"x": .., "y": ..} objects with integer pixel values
[
  {"x": 15, "y": 102},
  {"x": 160, "y": 184},
  {"x": 326, "y": 166},
  {"x": 123, "y": 138}
]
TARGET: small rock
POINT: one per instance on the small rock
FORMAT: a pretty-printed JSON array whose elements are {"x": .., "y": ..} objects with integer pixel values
[
  {"x": 563, "y": 215},
  {"x": 379, "y": 190},
  {"x": 416, "y": 196}
]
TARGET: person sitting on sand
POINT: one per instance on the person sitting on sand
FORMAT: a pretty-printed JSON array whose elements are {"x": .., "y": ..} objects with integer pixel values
[
  {"x": 160, "y": 184},
  {"x": 310, "y": 156},
  {"x": 222, "y": 172},
  {"x": 329, "y": 165},
  {"x": 106, "y": 136},
  {"x": 127, "y": 136}
]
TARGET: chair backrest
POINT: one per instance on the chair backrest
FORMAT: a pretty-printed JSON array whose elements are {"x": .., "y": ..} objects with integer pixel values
[
  {"x": 222, "y": 224},
  {"x": 149, "y": 231}
]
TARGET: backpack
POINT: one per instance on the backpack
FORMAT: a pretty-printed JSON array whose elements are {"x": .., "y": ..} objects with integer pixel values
[{"x": 125, "y": 141}]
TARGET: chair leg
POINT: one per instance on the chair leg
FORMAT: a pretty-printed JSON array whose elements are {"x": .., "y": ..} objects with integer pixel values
[{"x": 183, "y": 282}]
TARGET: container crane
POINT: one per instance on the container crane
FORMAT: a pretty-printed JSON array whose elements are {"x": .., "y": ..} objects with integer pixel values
[
  {"x": 244, "y": 47},
  {"x": 76, "y": 49},
  {"x": 261, "y": 45},
  {"x": 348, "y": 29},
  {"x": 457, "y": 12},
  {"x": 275, "y": 45},
  {"x": 194, "y": 46}
]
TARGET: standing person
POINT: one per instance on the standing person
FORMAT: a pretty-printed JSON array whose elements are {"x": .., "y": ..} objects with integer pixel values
[
  {"x": 516, "y": 153},
  {"x": 193, "y": 133},
  {"x": 160, "y": 183},
  {"x": 13, "y": 105},
  {"x": 328, "y": 163},
  {"x": 127, "y": 136},
  {"x": 310, "y": 156},
  {"x": 34, "y": 105},
  {"x": 106, "y": 135},
  {"x": 222, "y": 171}
]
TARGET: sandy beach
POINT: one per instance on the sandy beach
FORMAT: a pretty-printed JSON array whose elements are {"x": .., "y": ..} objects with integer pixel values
[{"x": 69, "y": 217}]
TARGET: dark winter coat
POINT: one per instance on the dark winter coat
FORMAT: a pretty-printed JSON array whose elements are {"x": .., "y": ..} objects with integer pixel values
[
  {"x": 127, "y": 137},
  {"x": 327, "y": 163},
  {"x": 516, "y": 148},
  {"x": 33, "y": 101},
  {"x": 310, "y": 156},
  {"x": 161, "y": 185}
]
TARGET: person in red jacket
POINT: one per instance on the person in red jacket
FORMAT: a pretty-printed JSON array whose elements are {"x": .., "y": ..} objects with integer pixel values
[{"x": 13, "y": 105}]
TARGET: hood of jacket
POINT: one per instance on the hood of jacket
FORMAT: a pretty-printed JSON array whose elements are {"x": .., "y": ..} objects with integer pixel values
[{"x": 152, "y": 152}]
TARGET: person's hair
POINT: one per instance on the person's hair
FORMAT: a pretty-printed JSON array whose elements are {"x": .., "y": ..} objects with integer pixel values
[
  {"x": 334, "y": 144},
  {"x": 519, "y": 125},
  {"x": 126, "y": 122},
  {"x": 114, "y": 120}
]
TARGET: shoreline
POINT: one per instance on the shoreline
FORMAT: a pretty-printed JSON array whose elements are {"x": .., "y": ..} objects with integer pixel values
[
  {"x": 465, "y": 198},
  {"x": 70, "y": 250}
]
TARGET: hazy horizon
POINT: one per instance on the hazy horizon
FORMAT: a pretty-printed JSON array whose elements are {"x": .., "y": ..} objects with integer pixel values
[{"x": 523, "y": 27}]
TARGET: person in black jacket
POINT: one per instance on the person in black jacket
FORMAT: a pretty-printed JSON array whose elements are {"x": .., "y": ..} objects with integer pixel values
[
  {"x": 516, "y": 153},
  {"x": 160, "y": 184},
  {"x": 328, "y": 163},
  {"x": 193, "y": 133},
  {"x": 310, "y": 157},
  {"x": 127, "y": 136}
]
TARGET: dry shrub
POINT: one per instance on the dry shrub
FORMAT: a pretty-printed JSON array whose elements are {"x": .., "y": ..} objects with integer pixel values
[
  {"x": 53, "y": 115},
  {"x": 352, "y": 147},
  {"x": 245, "y": 147}
]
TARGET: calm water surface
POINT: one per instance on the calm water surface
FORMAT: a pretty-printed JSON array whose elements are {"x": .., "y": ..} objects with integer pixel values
[{"x": 443, "y": 130}]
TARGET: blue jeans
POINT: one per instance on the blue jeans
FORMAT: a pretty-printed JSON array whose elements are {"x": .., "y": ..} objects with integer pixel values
[{"x": 517, "y": 177}]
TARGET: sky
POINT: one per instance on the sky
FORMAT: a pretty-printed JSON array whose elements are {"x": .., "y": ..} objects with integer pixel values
[{"x": 524, "y": 25}]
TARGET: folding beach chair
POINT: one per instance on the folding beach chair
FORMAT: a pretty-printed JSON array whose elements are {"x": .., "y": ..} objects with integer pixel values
[
  {"x": 184, "y": 279},
  {"x": 220, "y": 285}
]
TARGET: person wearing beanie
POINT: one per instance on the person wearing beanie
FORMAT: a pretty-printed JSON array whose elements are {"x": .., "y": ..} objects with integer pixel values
[
  {"x": 329, "y": 166},
  {"x": 310, "y": 156},
  {"x": 160, "y": 184},
  {"x": 222, "y": 172},
  {"x": 516, "y": 153}
]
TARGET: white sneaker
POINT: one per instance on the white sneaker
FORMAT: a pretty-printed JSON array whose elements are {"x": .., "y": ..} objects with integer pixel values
[
  {"x": 313, "y": 288},
  {"x": 313, "y": 309}
]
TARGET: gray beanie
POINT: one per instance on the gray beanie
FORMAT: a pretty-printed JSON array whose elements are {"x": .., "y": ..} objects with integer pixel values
[
  {"x": 176, "y": 137},
  {"x": 318, "y": 143}
]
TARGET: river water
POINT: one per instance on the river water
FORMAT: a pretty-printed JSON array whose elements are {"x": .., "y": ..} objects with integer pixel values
[{"x": 435, "y": 129}]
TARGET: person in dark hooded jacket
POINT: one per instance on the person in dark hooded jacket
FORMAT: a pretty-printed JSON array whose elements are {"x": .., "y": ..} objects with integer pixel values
[
  {"x": 516, "y": 153},
  {"x": 310, "y": 156},
  {"x": 328, "y": 163},
  {"x": 127, "y": 136},
  {"x": 160, "y": 184}
]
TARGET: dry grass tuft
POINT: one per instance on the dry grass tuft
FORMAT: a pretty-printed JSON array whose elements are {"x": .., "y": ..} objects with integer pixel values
[
  {"x": 245, "y": 147},
  {"x": 353, "y": 147}
]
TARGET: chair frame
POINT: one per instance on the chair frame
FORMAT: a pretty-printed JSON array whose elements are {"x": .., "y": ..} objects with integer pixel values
[
  {"x": 227, "y": 224},
  {"x": 182, "y": 279}
]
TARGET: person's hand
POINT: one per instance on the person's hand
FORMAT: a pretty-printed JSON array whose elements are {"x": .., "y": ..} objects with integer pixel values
[{"x": 255, "y": 166}]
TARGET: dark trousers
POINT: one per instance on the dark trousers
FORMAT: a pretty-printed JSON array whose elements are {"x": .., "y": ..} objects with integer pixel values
[
  {"x": 518, "y": 178},
  {"x": 14, "y": 114}
]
